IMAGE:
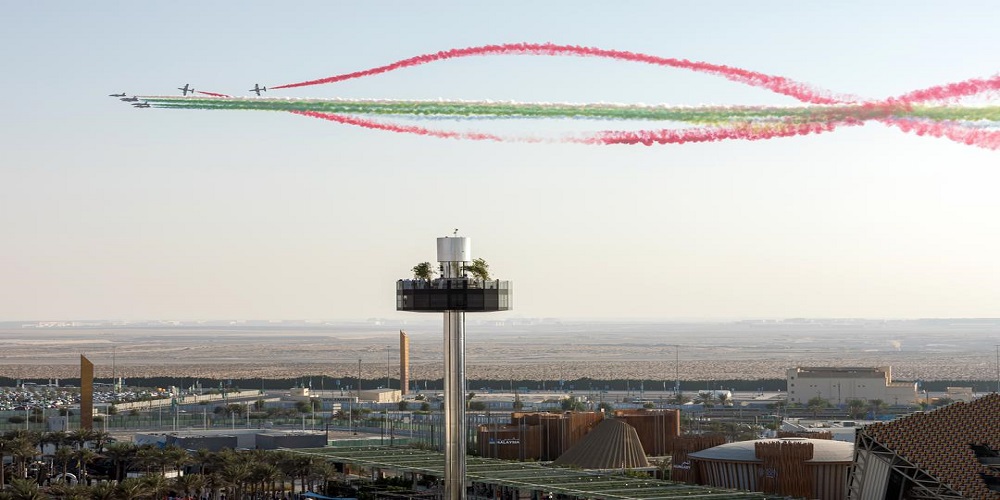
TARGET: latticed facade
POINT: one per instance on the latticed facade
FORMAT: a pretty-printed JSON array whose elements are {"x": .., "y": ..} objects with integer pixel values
[
  {"x": 949, "y": 453},
  {"x": 794, "y": 467}
]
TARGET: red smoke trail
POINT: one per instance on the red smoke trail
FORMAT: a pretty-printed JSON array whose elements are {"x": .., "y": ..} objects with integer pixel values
[
  {"x": 950, "y": 130},
  {"x": 952, "y": 90},
  {"x": 710, "y": 134},
  {"x": 213, "y": 94},
  {"x": 408, "y": 129},
  {"x": 778, "y": 84}
]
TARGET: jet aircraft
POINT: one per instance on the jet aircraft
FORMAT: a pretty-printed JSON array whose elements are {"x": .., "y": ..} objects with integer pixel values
[
  {"x": 130, "y": 99},
  {"x": 186, "y": 88},
  {"x": 141, "y": 104},
  {"x": 117, "y": 95},
  {"x": 258, "y": 89}
]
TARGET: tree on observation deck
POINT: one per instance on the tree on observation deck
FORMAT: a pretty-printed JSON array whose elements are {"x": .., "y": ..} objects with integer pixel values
[
  {"x": 479, "y": 269},
  {"x": 423, "y": 271}
]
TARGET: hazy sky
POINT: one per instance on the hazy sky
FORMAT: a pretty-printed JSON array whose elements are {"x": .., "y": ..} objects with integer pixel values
[{"x": 113, "y": 212}]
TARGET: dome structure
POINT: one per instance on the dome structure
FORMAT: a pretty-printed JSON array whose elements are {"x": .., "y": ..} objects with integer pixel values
[
  {"x": 612, "y": 444},
  {"x": 799, "y": 467}
]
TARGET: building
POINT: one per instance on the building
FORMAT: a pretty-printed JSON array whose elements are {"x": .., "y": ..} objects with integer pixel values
[
  {"x": 656, "y": 429},
  {"x": 381, "y": 396},
  {"x": 840, "y": 385},
  {"x": 797, "y": 467},
  {"x": 535, "y": 436},
  {"x": 950, "y": 453}
]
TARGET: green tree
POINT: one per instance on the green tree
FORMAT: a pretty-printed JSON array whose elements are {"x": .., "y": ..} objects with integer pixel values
[
  {"x": 518, "y": 404},
  {"x": 878, "y": 406},
  {"x": 857, "y": 408},
  {"x": 571, "y": 404},
  {"x": 606, "y": 407},
  {"x": 63, "y": 456},
  {"x": 816, "y": 405},
  {"x": 133, "y": 488},
  {"x": 479, "y": 269},
  {"x": 25, "y": 489},
  {"x": 423, "y": 271},
  {"x": 402, "y": 405}
]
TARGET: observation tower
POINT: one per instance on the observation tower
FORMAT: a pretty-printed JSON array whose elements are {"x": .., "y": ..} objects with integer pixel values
[{"x": 453, "y": 293}]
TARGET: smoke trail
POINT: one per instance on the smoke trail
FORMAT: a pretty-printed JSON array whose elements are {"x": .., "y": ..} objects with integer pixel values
[
  {"x": 411, "y": 129},
  {"x": 822, "y": 111},
  {"x": 777, "y": 84},
  {"x": 950, "y": 130},
  {"x": 709, "y": 134},
  {"x": 953, "y": 90}
]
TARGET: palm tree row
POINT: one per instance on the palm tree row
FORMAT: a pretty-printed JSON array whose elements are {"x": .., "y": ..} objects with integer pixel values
[{"x": 236, "y": 474}]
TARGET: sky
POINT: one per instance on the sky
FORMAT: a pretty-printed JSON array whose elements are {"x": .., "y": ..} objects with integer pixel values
[{"x": 109, "y": 212}]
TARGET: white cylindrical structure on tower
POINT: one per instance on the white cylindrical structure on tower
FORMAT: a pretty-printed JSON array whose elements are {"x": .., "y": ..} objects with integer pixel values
[{"x": 453, "y": 254}]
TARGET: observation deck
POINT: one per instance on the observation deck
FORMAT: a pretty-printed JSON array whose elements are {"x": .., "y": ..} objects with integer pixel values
[{"x": 453, "y": 294}]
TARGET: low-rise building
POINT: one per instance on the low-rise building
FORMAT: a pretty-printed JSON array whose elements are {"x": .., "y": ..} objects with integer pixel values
[{"x": 842, "y": 384}]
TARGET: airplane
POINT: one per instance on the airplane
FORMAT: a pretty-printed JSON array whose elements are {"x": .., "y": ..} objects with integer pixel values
[
  {"x": 186, "y": 88},
  {"x": 129, "y": 99},
  {"x": 258, "y": 89},
  {"x": 117, "y": 95},
  {"x": 141, "y": 104}
]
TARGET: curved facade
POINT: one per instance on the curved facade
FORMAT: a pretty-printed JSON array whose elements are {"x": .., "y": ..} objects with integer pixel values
[{"x": 800, "y": 467}]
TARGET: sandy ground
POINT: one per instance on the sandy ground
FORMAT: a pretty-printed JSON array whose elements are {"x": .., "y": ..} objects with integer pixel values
[{"x": 552, "y": 351}]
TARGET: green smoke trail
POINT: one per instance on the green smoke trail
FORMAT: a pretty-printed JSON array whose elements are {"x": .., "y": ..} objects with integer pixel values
[{"x": 694, "y": 115}]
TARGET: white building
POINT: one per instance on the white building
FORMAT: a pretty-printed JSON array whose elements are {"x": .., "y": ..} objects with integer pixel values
[{"x": 840, "y": 385}]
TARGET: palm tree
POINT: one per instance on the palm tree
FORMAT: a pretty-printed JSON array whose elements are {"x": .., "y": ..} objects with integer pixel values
[
  {"x": 80, "y": 436},
  {"x": 176, "y": 457},
  {"x": 99, "y": 438},
  {"x": 189, "y": 483},
  {"x": 25, "y": 489},
  {"x": 235, "y": 474},
  {"x": 5, "y": 446},
  {"x": 133, "y": 488},
  {"x": 63, "y": 455},
  {"x": 103, "y": 491},
  {"x": 24, "y": 452},
  {"x": 155, "y": 483},
  {"x": 120, "y": 453},
  {"x": 69, "y": 492},
  {"x": 84, "y": 457},
  {"x": 705, "y": 398},
  {"x": 723, "y": 398}
]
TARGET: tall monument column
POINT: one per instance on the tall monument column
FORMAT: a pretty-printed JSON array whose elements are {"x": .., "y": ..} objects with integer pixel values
[
  {"x": 453, "y": 293},
  {"x": 86, "y": 393},
  {"x": 404, "y": 363}
]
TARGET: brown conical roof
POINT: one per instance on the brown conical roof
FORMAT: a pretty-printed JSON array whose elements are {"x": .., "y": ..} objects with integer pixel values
[{"x": 612, "y": 444}]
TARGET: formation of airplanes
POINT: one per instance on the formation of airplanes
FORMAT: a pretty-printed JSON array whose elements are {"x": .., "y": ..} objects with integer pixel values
[{"x": 185, "y": 90}]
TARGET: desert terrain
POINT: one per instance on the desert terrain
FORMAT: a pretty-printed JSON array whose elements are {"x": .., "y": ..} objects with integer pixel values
[{"x": 504, "y": 350}]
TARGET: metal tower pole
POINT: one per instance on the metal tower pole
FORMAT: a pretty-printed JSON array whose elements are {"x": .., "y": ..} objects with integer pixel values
[{"x": 454, "y": 405}]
